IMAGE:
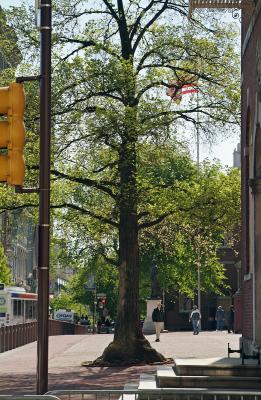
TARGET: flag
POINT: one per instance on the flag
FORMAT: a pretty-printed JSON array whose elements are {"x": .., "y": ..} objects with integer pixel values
[
  {"x": 175, "y": 93},
  {"x": 187, "y": 91},
  {"x": 178, "y": 90}
]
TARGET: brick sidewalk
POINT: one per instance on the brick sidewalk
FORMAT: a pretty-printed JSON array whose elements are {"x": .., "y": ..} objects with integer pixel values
[{"x": 18, "y": 366}]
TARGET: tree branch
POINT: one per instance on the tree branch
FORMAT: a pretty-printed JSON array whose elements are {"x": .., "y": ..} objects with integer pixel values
[
  {"x": 87, "y": 182},
  {"x": 16, "y": 207},
  {"x": 110, "y": 260},
  {"x": 89, "y": 43},
  {"x": 155, "y": 221},
  {"x": 100, "y": 218},
  {"x": 112, "y": 11},
  {"x": 146, "y": 27},
  {"x": 180, "y": 69},
  {"x": 73, "y": 141},
  {"x": 136, "y": 25},
  {"x": 109, "y": 165}
]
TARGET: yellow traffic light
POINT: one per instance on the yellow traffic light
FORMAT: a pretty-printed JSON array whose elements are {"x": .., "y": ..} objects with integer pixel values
[{"x": 12, "y": 134}]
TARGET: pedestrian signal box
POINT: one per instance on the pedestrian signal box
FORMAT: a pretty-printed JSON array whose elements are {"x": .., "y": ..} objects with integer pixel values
[{"x": 12, "y": 134}]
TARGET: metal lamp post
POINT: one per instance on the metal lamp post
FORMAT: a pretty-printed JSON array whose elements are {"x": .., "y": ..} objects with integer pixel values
[{"x": 44, "y": 195}]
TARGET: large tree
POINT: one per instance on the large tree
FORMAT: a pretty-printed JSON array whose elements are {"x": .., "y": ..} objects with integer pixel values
[{"x": 112, "y": 64}]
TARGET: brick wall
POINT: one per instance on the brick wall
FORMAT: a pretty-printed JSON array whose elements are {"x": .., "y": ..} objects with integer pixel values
[
  {"x": 248, "y": 129},
  {"x": 14, "y": 336}
]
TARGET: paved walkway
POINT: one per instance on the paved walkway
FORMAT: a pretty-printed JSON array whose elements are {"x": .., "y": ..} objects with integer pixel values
[{"x": 66, "y": 353}]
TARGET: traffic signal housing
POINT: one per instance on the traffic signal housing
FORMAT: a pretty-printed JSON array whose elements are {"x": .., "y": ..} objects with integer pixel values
[
  {"x": 12, "y": 134},
  {"x": 101, "y": 301}
]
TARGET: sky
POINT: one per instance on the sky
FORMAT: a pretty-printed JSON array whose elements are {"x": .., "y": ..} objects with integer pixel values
[{"x": 222, "y": 151}]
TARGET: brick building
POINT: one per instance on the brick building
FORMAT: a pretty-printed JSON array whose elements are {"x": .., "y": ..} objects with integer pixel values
[{"x": 251, "y": 175}]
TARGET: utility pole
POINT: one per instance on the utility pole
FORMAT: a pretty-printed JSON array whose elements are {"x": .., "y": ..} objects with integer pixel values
[{"x": 44, "y": 195}]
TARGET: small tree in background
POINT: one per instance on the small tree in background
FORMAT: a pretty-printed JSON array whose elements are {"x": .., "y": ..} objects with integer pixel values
[{"x": 5, "y": 271}]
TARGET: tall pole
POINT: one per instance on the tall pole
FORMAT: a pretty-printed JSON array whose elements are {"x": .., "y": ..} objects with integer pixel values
[
  {"x": 199, "y": 283},
  {"x": 44, "y": 196},
  {"x": 198, "y": 251},
  {"x": 197, "y": 134},
  {"x": 94, "y": 309}
]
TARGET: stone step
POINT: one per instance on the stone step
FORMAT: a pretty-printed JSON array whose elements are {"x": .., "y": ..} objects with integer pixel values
[
  {"x": 167, "y": 378},
  {"x": 216, "y": 367},
  {"x": 211, "y": 382},
  {"x": 240, "y": 371},
  {"x": 165, "y": 371},
  {"x": 147, "y": 382},
  {"x": 131, "y": 386}
]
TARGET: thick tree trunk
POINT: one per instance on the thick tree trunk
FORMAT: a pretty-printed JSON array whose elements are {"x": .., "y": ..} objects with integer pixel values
[{"x": 129, "y": 345}]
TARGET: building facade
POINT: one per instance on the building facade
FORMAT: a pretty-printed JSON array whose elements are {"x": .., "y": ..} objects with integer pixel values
[
  {"x": 251, "y": 176},
  {"x": 18, "y": 235}
]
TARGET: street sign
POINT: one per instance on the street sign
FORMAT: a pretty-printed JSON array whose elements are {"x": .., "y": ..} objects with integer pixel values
[
  {"x": 63, "y": 315},
  {"x": 90, "y": 284},
  {"x": 89, "y": 289}
]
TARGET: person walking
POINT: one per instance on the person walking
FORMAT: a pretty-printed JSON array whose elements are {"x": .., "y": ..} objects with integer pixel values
[
  {"x": 158, "y": 319},
  {"x": 195, "y": 318},
  {"x": 220, "y": 313},
  {"x": 230, "y": 319}
]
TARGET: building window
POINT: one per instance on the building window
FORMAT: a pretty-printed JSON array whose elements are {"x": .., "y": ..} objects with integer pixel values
[{"x": 18, "y": 309}]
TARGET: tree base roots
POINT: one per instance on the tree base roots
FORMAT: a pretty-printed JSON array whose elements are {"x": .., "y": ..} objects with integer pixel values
[{"x": 121, "y": 354}]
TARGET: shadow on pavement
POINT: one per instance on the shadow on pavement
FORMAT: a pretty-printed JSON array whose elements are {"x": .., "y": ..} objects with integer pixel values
[{"x": 85, "y": 378}]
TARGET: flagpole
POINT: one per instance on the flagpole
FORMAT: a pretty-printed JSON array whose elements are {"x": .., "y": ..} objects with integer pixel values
[
  {"x": 197, "y": 135},
  {"x": 198, "y": 250}
]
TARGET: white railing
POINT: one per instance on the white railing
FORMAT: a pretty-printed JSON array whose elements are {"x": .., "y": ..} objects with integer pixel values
[
  {"x": 135, "y": 394},
  {"x": 28, "y": 397},
  {"x": 157, "y": 394}
]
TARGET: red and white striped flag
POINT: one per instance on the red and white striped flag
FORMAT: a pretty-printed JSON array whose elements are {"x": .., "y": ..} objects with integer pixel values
[{"x": 178, "y": 90}]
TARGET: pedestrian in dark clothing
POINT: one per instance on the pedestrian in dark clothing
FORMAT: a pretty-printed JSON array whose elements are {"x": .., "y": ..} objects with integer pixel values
[
  {"x": 230, "y": 319},
  {"x": 107, "y": 324},
  {"x": 158, "y": 319},
  {"x": 84, "y": 321},
  {"x": 195, "y": 318},
  {"x": 220, "y": 318}
]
